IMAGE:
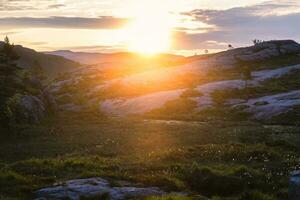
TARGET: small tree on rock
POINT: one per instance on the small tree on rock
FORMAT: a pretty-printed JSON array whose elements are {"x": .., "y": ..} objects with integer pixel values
[
  {"x": 245, "y": 73},
  {"x": 256, "y": 41}
]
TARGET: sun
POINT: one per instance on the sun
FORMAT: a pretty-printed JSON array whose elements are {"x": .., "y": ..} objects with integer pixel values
[{"x": 149, "y": 31}]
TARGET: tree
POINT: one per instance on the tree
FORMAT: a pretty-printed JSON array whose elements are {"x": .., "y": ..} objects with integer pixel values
[
  {"x": 8, "y": 67},
  {"x": 230, "y": 46},
  {"x": 245, "y": 72},
  {"x": 9, "y": 80},
  {"x": 206, "y": 51},
  {"x": 246, "y": 75}
]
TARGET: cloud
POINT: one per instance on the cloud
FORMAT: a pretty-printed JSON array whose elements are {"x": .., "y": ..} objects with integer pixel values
[
  {"x": 239, "y": 25},
  {"x": 38, "y": 43},
  {"x": 18, "y": 5},
  {"x": 9, "y": 33},
  {"x": 103, "y": 22},
  {"x": 56, "y": 6}
]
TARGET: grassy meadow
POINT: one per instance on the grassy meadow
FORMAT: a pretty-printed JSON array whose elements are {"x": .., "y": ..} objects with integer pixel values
[{"x": 234, "y": 160}]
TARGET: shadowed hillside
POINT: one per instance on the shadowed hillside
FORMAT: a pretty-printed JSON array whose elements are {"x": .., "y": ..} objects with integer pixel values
[{"x": 52, "y": 65}]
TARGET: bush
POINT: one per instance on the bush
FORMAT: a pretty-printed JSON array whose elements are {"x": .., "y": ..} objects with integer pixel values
[
  {"x": 8, "y": 111},
  {"x": 255, "y": 195},
  {"x": 13, "y": 183},
  {"x": 166, "y": 183},
  {"x": 173, "y": 108},
  {"x": 191, "y": 93},
  {"x": 209, "y": 183}
]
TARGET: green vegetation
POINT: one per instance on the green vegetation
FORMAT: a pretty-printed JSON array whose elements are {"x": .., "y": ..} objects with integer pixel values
[
  {"x": 223, "y": 160},
  {"x": 11, "y": 84},
  {"x": 191, "y": 93},
  {"x": 181, "y": 108},
  {"x": 15, "y": 83},
  {"x": 276, "y": 62},
  {"x": 285, "y": 83}
]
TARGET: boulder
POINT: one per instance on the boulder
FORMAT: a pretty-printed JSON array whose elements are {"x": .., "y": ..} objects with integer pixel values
[
  {"x": 94, "y": 188},
  {"x": 30, "y": 109}
]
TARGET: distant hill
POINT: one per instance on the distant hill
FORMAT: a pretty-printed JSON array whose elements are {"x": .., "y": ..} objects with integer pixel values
[
  {"x": 53, "y": 65},
  {"x": 121, "y": 57}
]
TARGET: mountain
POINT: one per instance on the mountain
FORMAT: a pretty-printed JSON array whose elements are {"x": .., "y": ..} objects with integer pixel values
[
  {"x": 260, "y": 82},
  {"x": 51, "y": 64}
]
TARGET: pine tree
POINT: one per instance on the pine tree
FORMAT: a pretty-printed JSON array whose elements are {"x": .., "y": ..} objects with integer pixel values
[
  {"x": 8, "y": 66},
  {"x": 9, "y": 86}
]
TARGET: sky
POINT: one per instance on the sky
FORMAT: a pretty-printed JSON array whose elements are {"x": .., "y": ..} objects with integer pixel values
[{"x": 175, "y": 26}]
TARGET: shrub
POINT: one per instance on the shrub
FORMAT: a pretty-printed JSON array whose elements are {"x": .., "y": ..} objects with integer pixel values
[
  {"x": 255, "y": 195},
  {"x": 173, "y": 108},
  {"x": 13, "y": 183},
  {"x": 191, "y": 93},
  {"x": 209, "y": 183}
]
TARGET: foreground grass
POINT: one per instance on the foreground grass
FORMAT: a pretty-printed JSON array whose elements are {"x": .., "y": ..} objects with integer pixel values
[{"x": 219, "y": 160}]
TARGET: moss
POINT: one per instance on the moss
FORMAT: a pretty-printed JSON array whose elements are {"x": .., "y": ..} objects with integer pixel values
[{"x": 261, "y": 103}]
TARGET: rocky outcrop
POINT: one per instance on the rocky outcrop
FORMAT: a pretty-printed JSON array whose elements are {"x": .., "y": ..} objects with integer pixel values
[
  {"x": 259, "y": 52},
  {"x": 146, "y": 103},
  {"x": 267, "y": 107},
  {"x": 94, "y": 188}
]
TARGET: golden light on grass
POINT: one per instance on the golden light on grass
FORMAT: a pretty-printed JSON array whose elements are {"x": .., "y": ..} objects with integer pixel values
[{"x": 149, "y": 31}]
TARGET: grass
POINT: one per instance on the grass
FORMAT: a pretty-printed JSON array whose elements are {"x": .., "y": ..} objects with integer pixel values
[
  {"x": 276, "y": 62},
  {"x": 225, "y": 160}
]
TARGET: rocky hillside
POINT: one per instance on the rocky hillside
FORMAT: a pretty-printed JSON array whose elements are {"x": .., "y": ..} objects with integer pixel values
[{"x": 260, "y": 82}]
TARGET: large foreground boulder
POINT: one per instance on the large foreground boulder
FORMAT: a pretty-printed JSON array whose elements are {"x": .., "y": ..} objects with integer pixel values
[
  {"x": 32, "y": 109},
  {"x": 294, "y": 186},
  {"x": 94, "y": 188}
]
